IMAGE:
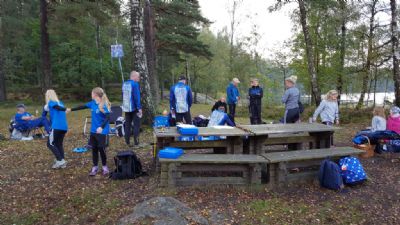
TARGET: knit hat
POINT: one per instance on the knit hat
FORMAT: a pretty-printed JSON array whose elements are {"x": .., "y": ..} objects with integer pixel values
[
  {"x": 182, "y": 78},
  {"x": 395, "y": 110},
  {"x": 292, "y": 79}
]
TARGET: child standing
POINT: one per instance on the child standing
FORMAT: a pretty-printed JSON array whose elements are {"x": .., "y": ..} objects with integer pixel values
[
  {"x": 379, "y": 120},
  {"x": 255, "y": 96},
  {"x": 328, "y": 109},
  {"x": 100, "y": 108},
  {"x": 59, "y": 127}
]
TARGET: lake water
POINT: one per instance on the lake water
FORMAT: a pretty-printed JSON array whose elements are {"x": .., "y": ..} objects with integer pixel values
[{"x": 354, "y": 97}]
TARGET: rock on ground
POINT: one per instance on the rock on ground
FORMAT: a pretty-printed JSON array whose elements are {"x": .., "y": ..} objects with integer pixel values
[{"x": 166, "y": 211}]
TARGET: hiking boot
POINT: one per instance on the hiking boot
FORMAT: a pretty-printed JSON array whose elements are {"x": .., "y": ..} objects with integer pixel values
[
  {"x": 93, "y": 172},
  {"x": 106, "y": 171}
]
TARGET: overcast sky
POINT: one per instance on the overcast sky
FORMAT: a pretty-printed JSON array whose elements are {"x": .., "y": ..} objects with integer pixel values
[{"x": 274, "y": 28}]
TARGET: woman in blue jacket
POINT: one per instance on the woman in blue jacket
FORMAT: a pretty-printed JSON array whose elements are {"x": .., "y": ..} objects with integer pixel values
[
  {"x": 100, "y": 107},
  {"x": 59, "y": 127}
]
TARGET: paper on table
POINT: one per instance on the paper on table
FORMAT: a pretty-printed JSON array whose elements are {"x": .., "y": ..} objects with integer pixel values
[
  {"x": 185, "y": 125},
  {"x": 222, "y": 127}
]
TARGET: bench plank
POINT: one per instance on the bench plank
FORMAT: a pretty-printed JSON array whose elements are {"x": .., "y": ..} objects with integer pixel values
[
  {"x": 300, "y": 155},
  {"x": 216, "y": 158}
]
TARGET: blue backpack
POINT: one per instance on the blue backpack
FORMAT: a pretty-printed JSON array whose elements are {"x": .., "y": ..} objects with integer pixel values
[
  {"x": 329, "y": 175},
  {"x": 352, "y": 170}
]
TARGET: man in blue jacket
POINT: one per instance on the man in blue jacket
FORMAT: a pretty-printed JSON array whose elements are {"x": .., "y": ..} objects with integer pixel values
[
  {"x": 180, "y": 101},
  {"x": 233, "y": 97},
  {"x": 132, "y": 107}
]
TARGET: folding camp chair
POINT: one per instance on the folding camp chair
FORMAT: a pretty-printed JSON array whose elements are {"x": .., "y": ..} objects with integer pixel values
[
  {"x": 24, "y": 132},
  {"x": 116, "y": 111}
]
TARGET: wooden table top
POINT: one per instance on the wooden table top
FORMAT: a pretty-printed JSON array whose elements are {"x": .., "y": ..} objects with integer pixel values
[
  {"x": 204, "y": 131},
  {"x": 266, "y": 129}
]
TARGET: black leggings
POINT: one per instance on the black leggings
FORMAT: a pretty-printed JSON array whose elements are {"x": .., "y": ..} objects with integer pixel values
[
  {"x": 55, "y": 143},
  {"x": 184, "y": 116},
  {"x": 95, "y": 155},
  {"x": 232, "y": 111}
]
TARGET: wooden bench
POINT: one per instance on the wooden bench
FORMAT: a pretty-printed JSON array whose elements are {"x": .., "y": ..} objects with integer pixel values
[
  {"x": 284, "y": 167},
  {"x": 207, "y": 169}
]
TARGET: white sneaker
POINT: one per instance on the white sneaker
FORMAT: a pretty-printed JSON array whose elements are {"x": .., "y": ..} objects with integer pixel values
[{"x": 59, "y": 164}]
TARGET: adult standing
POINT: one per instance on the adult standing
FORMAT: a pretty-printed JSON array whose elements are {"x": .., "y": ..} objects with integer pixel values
[
  {"x": 255, "y": 95},
  {"x": 291, "y": 99},
  {"x": 132, "y": 107},
  {"x": 180, "y": 101},
  {"x": 233, "y": 97}
]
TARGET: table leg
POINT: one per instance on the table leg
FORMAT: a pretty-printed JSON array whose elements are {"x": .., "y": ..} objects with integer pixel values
[
  {"x": 323, "y": 139},
  {"x": 235, "y": 145}
]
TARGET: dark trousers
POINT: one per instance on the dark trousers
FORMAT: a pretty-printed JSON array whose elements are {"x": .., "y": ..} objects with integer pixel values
[
  {"x": 132, "y": 121},
  {"x": 55, "y": 143},
  {"x": 291, "y": 116},
  {"x": 255, "y": 113},
  {"x": 98, "y": 143},
  {"x": 184, "y": 116},
  {"x": 232, "y": 111}
]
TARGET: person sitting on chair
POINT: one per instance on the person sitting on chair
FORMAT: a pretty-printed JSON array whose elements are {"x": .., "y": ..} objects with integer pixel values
[
  {"x": 26, "y": 121},
  {"x": 219, "y": 117}
]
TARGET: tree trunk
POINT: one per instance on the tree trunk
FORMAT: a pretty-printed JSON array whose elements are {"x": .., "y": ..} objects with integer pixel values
[
  {"x": 232, "y": 35},
  {"x": 99, "y": 54},
  {"x": 45, "y": 47},
  {"x": 395, "y": 52},
  {"x": 140, "y": 61},
  {"x": 316, "y": 93},
  {"x": 339, "y": 85},
  {"x": 149, "y": 34},
  {"x": 367, "y": 66},
  {"x": 3, "y": 93}
]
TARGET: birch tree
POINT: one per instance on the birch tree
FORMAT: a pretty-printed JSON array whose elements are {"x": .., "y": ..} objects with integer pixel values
[
  {"x": 139, "y": 58},
  {"x": 395, "y": 50}
]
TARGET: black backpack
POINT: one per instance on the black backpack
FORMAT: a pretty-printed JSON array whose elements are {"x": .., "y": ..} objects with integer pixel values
[
  {"x": 128, "y": 166},
  {"x": 120, "y": 126}
]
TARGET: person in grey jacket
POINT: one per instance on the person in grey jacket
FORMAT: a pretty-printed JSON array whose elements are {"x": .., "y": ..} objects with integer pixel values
[
  {"x": 328, "y": 109},
  {"x": 291, "y": 99}
]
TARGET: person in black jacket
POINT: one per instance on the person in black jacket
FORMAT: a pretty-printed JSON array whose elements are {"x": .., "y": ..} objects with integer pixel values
[
  {"x": 220, "y": 102},
  {"x": 255, "y": 96}
]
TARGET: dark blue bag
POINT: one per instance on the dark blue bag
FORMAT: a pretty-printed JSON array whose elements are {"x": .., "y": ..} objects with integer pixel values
[
  {"x": 352, "y": 170},
  {"x": 329, "y": 175}
]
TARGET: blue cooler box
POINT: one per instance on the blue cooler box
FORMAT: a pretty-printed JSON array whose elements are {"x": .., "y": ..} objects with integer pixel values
[
  {"x": 188, "y": 130},
  {"x": 186, "y": 138},
  {"x": 208, "y": 138},
  {"x": 161, "y": 121},
  {"x": 170, "y": 153}
]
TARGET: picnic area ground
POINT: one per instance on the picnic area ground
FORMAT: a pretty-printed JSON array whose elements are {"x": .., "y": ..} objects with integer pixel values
[{"x": 32, "y": 193}]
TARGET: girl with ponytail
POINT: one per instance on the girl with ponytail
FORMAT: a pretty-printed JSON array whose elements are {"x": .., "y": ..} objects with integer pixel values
[{"x": 100, "y": 107}]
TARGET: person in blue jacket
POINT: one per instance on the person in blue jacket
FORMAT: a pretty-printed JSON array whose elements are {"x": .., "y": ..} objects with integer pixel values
[
  {"x": 180, "y": 101},
  {"x": 219, "y": 117},
  {"x": 232, "y": 92},
  {"x": 132, "y": 107},
  {"x": 255, "y": 96},
  {"x": 26, "y": 121},
  {"x": 59, "y": 127},
  {"x": 100, "y": 108}
]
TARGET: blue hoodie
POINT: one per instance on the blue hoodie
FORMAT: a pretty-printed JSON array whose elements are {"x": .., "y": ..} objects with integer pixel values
[
  {"x": 232, "y": 93},
  {"x": 180, "y": 98},
  {"x": 131, "y": 96}
]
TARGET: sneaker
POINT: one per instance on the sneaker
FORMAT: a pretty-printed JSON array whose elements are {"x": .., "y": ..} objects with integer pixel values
[
  {"x": 63, "y": 164},
  {"x": 59, "y": 164},
  {"x": 106, "y": 171},
  {"x": 93, "y": 172}
]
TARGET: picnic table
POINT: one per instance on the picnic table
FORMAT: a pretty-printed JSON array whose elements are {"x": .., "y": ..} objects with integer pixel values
[
  {"x": 318, "y": 135},
  {"x": 233, "y": 140}
]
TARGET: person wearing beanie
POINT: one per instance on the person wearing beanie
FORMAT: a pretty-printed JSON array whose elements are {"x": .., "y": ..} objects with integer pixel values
[
  {"x": 232, "y": 92},
  {"x": 291, "y": 99},
  {"x": 393, "y": 122},
  {"x": 180, "y": 101}
]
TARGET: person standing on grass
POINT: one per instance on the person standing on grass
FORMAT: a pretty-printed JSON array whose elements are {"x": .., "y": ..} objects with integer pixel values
[
  {"x": 100, "y": 110},
  {"x": 59, "y": 127},
  {"x": 255, "y": 96},
  {"x": 328, "y": 109},
  {"x": 180, "y": 101},
  {"x": 132, "y": 107},
  {"x": 232, "y": 92},
  {"x": 291, "y": 99}
]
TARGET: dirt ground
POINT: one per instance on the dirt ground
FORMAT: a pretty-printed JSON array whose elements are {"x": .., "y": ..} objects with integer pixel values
[{"x": 32, "y": 193}]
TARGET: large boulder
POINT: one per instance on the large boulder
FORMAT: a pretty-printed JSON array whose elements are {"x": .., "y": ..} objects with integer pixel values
[{"x": 166, "y": 211}]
